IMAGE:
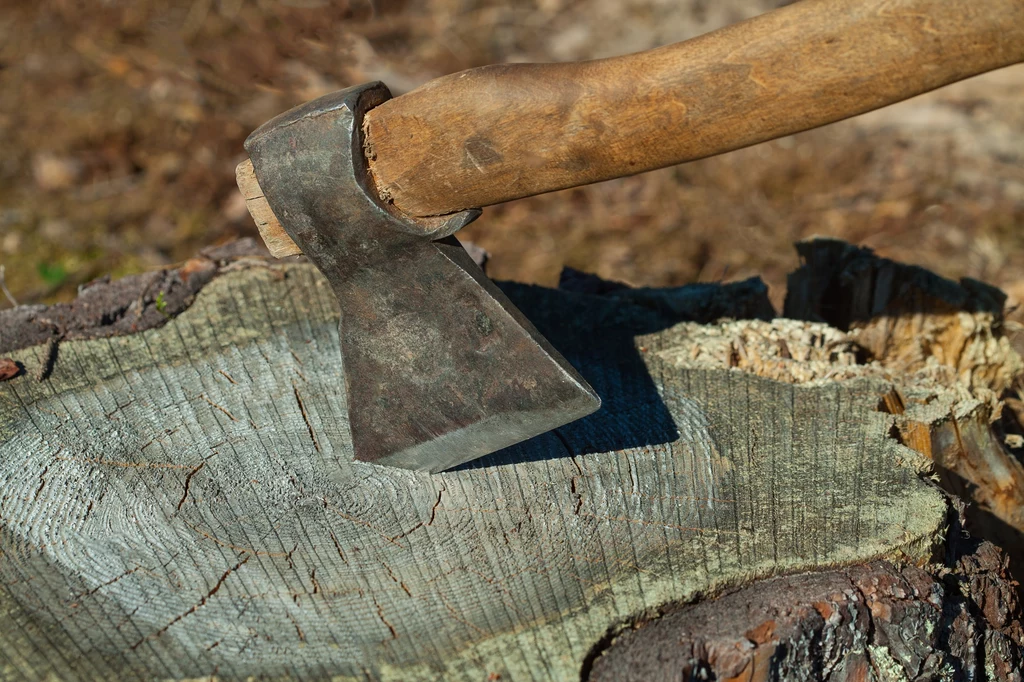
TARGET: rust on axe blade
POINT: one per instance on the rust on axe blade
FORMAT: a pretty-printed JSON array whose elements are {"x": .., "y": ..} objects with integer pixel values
[{"x": 440, "y": 367}]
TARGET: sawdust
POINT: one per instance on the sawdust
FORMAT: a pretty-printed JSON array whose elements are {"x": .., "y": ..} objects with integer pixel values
[{"x": 784, "y": 350}]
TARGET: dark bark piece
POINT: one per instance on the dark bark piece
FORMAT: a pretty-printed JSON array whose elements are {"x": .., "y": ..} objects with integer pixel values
[
  {"x": 869, "y": 622},
  {"x": 125, "y": 306},
  {"x": 182, "y": 501},
  {"x": 746, "y": 300}
]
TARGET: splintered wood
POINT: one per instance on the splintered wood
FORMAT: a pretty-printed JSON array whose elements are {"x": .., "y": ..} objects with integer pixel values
[
  {"x": 277, "y": 240},
  {"x": 944, "y": 344},
  {"x": 908, "y": 319}
]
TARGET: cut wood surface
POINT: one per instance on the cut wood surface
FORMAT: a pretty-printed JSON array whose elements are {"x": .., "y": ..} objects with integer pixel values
[{"x": 180, "y": 501}]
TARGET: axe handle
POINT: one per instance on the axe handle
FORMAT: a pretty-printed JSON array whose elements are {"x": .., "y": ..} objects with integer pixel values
[{"x": 497, "y": 133}]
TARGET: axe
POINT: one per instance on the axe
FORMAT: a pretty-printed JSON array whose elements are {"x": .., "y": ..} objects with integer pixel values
[{"x": 440, "y": 368}]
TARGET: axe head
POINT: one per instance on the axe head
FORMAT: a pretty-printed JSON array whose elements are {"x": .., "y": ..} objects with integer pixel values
[{"x": 440, "y": 368}]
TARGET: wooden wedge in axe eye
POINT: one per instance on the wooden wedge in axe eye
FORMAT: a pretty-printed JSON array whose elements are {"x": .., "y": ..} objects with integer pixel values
[{"x": 440, "y": 367}]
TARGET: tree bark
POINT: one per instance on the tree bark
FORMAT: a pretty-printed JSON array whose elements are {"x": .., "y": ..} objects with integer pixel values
[
  {"x": 179, "y": 497},
  {"x": 872, "y": 621}
]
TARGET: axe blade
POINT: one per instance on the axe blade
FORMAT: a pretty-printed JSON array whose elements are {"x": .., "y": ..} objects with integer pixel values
[{"x": 440, "y": 367}]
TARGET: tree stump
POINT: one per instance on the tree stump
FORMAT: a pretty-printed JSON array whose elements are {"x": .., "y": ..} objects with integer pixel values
[{"x": 180, "y": 500}]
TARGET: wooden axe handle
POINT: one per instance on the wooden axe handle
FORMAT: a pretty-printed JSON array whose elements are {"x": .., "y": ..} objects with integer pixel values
[{"x": 497, "y": 133}]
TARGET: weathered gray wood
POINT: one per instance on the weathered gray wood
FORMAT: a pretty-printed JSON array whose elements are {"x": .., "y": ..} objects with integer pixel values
[{"x": 181, "y": 502}]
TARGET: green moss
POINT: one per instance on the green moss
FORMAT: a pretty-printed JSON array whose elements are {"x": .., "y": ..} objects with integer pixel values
[{"x": 161, "y": 305}]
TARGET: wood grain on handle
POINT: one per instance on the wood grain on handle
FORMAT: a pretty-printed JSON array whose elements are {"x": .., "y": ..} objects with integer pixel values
[{"x": 497, "y": 133}]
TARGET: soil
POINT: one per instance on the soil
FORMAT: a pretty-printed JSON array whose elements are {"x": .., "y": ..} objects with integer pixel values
[{"x": 122, "y": 123}]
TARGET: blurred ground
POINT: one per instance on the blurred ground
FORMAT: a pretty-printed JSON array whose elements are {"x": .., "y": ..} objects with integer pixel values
[{"x": 121, "y": 123}]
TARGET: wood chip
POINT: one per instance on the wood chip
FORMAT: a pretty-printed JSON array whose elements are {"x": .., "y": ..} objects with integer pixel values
[{"x": 9, "y": 369}]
